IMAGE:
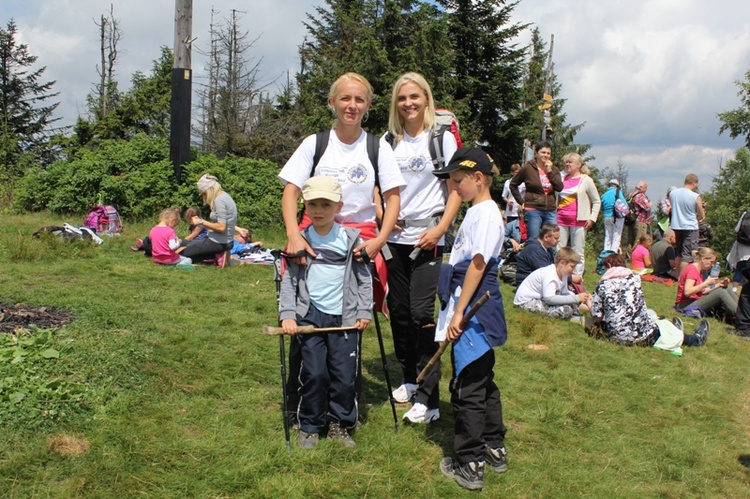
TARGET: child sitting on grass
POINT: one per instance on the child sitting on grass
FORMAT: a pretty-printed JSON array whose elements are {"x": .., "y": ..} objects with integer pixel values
[
  {"x": 545, "y": 291},
  {"x": 333, "y": 290},
  {"x": 640, "y": 257},
  {"x": 164, "y": 240},
  {"x": 479, "y": 439}
]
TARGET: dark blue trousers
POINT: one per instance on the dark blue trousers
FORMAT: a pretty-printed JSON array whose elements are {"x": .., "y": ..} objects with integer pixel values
[{"x": 327, "y": 374}]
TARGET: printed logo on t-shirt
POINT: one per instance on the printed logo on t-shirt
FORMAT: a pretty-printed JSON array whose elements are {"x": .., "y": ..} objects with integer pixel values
[
  {"x": 357, "y": 174},
  {"x": 417, "y": 163},
  {"x": 459, "y": 240},
  {"x": 544, "y": 180}
]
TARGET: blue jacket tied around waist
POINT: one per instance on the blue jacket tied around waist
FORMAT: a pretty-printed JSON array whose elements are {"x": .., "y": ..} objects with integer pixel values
[{"x": 487, "y": 329}]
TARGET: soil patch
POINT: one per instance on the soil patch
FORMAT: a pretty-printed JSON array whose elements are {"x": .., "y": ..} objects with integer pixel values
[
  {"x": 21, "y": 316},
  {"x": 67, "y": 445}
]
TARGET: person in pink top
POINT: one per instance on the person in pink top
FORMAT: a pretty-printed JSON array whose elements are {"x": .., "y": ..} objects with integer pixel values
[
  {"x": 640, "y": 258},
  {"x": 164, "y": 240},
  {"x": 577, "y": 208}
]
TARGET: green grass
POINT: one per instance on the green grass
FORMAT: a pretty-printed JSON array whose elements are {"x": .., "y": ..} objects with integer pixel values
[{"x": 177, "y": 393}]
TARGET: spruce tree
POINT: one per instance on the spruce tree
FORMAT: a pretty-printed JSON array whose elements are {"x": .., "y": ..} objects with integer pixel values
[
  {"x": 25, "y": 116},
  {"x": 379, "y": 39},
  {"x": 488, "y": 68}
]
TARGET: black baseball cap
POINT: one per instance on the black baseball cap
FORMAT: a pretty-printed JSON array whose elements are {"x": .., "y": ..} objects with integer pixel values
[{"x": 468, "y": 158}]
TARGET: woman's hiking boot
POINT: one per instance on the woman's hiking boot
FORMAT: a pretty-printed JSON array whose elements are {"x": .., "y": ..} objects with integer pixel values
[{"x": 336, "y": 432}]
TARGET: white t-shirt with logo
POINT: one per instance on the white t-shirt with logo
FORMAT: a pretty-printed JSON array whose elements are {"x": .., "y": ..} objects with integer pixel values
[
  {"x": 350, "y": 165},
  {"x": 481, "y": 232},
  {"x": 424, "y": 194}
]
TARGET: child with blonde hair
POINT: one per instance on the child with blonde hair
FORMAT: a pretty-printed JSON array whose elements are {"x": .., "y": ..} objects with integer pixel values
[{"x": 164, "y": 240}]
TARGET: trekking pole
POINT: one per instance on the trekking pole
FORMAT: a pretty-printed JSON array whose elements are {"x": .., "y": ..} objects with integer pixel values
[
  {"x": 444, "y": 344},
  {"x": 282, "y": 353},
  {"x": 366, "y": 259}
]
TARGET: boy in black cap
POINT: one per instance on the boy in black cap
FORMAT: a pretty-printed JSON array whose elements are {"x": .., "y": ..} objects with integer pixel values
[{"x": 472, "y": 270}]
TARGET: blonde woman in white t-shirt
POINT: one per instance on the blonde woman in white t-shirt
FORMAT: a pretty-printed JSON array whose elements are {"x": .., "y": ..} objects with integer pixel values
[
  {"x": 416, "y": 244},
  {"x": 346, "y": 159}
]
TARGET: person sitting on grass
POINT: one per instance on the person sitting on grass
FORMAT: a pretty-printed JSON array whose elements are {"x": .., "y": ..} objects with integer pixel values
[
  {"x": 742, "y": 324},
  {"x": 545, "y": 291},
  {"x": 164, "y": 240},
  {"x": 619, "y": 307},
  {"x": 699, "y": 297},
  {"x": 538, "y": 252},
  {"x": 663, "y": 257},
  {"x": 640, "y": 257},
  {"x": 333, "y": 290}
]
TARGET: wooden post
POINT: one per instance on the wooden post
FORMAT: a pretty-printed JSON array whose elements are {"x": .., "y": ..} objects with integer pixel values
[
  {"x": 182, "y": 77},
  {"x": 546, "y": 113}
]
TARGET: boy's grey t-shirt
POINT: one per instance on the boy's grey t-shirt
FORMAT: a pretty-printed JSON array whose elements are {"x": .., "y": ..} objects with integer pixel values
[{"x": 224, "y": 210}]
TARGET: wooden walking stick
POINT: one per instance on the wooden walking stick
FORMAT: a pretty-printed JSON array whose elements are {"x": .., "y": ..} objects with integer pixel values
[
  {"x": 444, "y": 344},
  {"x": 273, "y": 331}
]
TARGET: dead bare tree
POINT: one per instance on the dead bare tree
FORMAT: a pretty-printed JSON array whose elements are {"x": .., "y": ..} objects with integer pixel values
[
  {"x": 231, "y": 100},
  {"x": 109, "y": 37}
]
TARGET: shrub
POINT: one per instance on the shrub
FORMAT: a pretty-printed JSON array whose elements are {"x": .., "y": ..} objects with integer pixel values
[{"x": 136, "y": 177}]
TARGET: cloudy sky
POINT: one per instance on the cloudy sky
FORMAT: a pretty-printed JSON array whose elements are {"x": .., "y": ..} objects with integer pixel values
[{"x": 647, "y": 76}]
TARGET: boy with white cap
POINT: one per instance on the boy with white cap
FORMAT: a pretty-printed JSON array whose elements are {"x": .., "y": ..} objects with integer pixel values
[{"x": 332, "y": 290}]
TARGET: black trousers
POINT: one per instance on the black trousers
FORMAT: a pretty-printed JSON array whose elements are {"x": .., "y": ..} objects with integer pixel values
[
  {"x": 203, "y": 249},
  {"x": 743, "y": 309},
  {"x": 412, "y": 286},
  {"x": 477, "y": 410}
]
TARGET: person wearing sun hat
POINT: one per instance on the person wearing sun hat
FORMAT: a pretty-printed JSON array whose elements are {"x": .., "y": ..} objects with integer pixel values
[
  {"x": 612, "y": 225},
  {"x": 221, "y": 224}
]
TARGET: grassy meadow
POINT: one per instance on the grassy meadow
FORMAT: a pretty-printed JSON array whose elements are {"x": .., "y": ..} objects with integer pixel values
[{"x": 164, "y": 386}]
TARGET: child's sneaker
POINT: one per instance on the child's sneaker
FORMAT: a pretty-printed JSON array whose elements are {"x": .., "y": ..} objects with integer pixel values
[
  {"x": 496, "y": 459},
  {"x": 702, "y": 332},
  {"x": 307, "y": 440},
  {"x": 469, "y": 476},
  {"x": 419, "y": 413},
  {"x": 404, "y": 393},
  {"x": 336, "y": 432},
  {"x": 677, "y": 323}
]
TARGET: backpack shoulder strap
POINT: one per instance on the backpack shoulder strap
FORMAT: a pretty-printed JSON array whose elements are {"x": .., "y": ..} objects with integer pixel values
[
  {"x": 373, "y": 153},
  {"x": 321, "y": 143},
  {"x": 391, "y": 139},
  {"x": 436, "y": 146}
]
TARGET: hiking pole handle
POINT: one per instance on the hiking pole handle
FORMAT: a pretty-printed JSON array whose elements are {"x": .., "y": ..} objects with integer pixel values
[{"x": 444, "y": 344}]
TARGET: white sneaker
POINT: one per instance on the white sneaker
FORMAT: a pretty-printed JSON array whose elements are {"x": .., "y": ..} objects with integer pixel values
[
  {"x": 404, "y": 393},
  {"x": 419, "y": 413}
]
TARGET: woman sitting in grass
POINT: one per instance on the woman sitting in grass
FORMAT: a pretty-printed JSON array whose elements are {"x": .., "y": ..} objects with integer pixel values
[
  {"x": 619, "y": 307},
  {"x": 709, "y": 296}
]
